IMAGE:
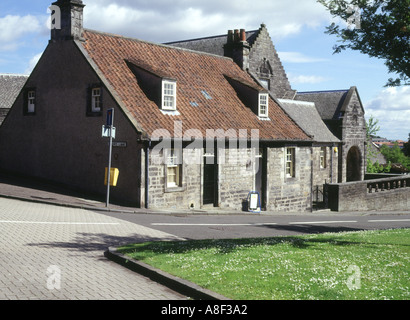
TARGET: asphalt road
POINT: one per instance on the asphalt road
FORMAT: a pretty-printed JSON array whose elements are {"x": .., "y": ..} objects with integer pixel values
[{"x": 249, "y": 226}]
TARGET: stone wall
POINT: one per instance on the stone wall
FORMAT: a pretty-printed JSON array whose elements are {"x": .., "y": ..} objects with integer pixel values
[
  {"x": 61, "y": 143},
  {"x": 353, "y": 135},
  {"x": 188, "y": 194},
  {"x": 329, "y": 172},
  {"x": 264, "y": 52},
  {"x": 382, "y": 194},
  {"x": 235, "y": 180},
  {"x": 289, "y": 194}
]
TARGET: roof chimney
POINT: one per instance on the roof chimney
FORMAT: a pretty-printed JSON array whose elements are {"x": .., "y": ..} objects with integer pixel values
[
  {"x": 243, "y": 35},
  {"x": 237, "y": 47},
  {"x": 67, "y": 20}
]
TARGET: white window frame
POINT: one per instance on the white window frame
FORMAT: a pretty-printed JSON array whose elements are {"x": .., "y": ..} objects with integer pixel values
[
  {"x": 173, "y": 168},
  {"x": 31, "y": 101},
  {"x": 290, "y": 162},
  {"x": 323, "y": 158},
  {"x": 263, "y": 104},
  {"x": 96, "y": 99},
  {"x": 169, "y": 95}
]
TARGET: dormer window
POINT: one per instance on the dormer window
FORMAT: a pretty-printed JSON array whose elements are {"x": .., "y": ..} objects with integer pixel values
[
  {"x": 169, "y": 95},
  {"x": 253, "y": 96},
  {"x": 263, "y": 105}
]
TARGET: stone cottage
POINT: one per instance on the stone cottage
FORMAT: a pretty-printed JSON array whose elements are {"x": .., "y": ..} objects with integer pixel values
[
  {"x": 343, "y": 113},
  {"x": 193, "y": 129},
  {"x": 340, "y": 110}
]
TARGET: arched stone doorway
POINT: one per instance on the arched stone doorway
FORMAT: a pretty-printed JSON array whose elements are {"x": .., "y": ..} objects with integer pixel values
[{"x": 353, "y": 165}]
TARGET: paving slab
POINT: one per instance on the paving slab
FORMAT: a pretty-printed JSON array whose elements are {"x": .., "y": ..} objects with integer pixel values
[{"x": 57, "y": 253}]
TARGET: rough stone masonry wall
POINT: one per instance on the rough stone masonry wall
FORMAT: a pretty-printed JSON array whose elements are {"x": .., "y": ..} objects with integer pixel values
[
  {"x": 355, "y": 196},
  {"x": 189, "y": 193},
  {"x": 324, "y": 175},
  {"x": 354, "y": 134},
  {"x": 289, "y": 194},
  {"x": 236, "y": 177},
  {"x": 236, "y": 180},
  {"x": 263, "y": 48}
]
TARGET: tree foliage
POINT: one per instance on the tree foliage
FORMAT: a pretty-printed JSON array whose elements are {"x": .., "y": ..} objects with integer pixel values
[
  {"x": 378, "y": 28},
  {"x": 395, "y": 155},
  {"x": 372, "y": 127},
  {"x": 406, "y": 148}
]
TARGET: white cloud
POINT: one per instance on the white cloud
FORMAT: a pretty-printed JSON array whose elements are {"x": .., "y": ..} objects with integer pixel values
[
  {"x": 162, "y": 21},
  {"x": 297, "y": 57},
  {"x": 392, "y": 108},
  {"x": 393, "y": 98},
  {"x": 33, "y": 62},
  {"x": 13, "y": 28},
  {"x": 304, "y": 79}
]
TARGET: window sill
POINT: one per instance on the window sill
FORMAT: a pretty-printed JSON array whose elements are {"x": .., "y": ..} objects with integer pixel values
[{"x": 174, "y": 189}]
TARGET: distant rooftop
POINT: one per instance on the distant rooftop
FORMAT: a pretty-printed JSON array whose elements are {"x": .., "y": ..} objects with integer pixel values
[{"x": 10, "y": 87}]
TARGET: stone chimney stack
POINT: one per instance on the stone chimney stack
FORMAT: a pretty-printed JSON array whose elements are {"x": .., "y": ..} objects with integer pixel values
[
  {"x": 67, "y": 20},
  {"x": 237, "y": 48}
]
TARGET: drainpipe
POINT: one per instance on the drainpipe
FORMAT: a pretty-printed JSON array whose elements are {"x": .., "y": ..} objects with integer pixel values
[
  {"x": 331, "y": 162},
  {"x": 311, "y": 178},
  {"x": 147, "y": 175}
]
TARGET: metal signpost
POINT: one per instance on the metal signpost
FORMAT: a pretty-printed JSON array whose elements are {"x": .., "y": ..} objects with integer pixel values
[{"x": 109, "y": 131}]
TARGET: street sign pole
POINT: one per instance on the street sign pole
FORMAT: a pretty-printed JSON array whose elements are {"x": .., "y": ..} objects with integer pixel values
[{"x": 110, "y": 124}]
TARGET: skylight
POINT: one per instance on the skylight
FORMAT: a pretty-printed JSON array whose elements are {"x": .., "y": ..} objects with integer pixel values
[{"x": 206, "y": 95}]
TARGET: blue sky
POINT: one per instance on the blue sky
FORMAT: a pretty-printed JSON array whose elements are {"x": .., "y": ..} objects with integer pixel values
[{"x": 296, "y": 27}]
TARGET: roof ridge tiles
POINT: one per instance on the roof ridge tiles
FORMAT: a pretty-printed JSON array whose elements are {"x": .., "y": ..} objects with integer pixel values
[
  {"x": 155, "y": 43},
  {"x": 205, "y": 38},
  {"x": 323, "y": 91}
]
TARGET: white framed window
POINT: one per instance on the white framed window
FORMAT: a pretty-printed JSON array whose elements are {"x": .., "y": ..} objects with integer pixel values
[
  {"x": 31, "y": 101},
  {"x": 96, "y": 100},
  {"x": 169, "y": 95},
  {"x": 263, "y": 105},
  {"x": 290, "y": 162},
  {"x": 173, "y": 168},
  {"x": 323, "y": 157}
]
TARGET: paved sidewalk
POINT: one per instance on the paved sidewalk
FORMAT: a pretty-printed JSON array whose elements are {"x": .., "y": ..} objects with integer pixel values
[{"x": 54, "y": 252}]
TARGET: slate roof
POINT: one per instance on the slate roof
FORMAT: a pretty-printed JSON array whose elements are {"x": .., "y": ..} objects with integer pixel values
[
  {"x": 195, "y": 72},
  {"x": 307, "y": 116},
  {"x": 10, "y": 87},
  {"x": 328, "y": 103},
  {"x": 213, "y": 44}
]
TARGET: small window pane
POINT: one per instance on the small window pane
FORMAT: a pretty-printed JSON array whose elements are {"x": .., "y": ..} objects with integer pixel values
[
  {"x": 173, "y": 168},
  {"x": 263, "y": 105},
  {"x": 168, "y": 95},
  {"x": 31, "y": 106},
  {"x": 323, "y": 157},
  {"x": 290, "y": 162},
  {"x": 96, "y": 100}
]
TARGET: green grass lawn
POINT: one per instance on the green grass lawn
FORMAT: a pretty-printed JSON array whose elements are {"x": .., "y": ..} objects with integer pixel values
[{"x": 333, "y": 266}]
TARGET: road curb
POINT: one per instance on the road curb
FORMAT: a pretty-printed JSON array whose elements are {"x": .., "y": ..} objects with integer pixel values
[{"x": 179, "y": 285}]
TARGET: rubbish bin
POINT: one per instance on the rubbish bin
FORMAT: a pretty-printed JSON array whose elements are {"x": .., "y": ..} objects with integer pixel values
[{"x": 114, "y": 173}]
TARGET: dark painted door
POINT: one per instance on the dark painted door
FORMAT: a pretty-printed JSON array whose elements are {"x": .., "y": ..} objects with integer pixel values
[{"x": 210, "y": 189}]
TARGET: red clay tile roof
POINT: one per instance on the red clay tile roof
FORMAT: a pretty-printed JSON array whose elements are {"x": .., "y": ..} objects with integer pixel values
[{"x": 194, "y": 73}]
